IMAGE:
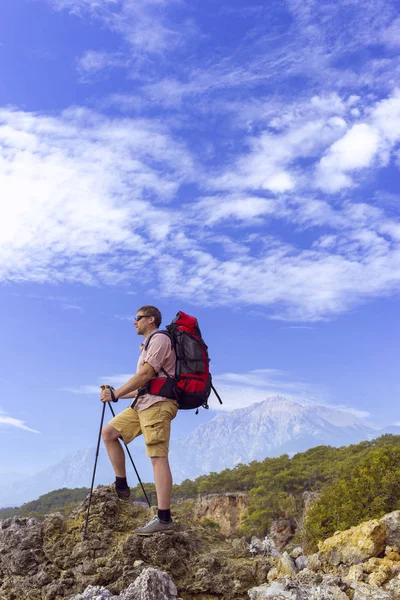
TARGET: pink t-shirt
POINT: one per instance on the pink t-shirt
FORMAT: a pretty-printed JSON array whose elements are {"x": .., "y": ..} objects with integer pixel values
[{"x": 159, "y": 354}]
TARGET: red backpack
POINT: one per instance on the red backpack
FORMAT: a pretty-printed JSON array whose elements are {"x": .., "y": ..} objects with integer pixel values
[{"x": 192, "y": 383}]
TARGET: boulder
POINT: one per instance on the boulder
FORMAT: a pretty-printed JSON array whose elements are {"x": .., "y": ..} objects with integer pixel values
[
  {"x": 226, "y": 510},
  {"x": 393, "y": 587},
  {"x": 282, "y": 532},
  {"x": 152, "y": 584},
  {"x": 392, "y": 525},
  {"x": 286, "y": 565},
  {"x": 296, "y": 552},
  {"x": 363, "y": 591},
  {"x": 289, "y": 590},
  {"x": 354, "y": 545},
  {"x": 94, "y": 592},
  {"x": 301, "y": 562}
]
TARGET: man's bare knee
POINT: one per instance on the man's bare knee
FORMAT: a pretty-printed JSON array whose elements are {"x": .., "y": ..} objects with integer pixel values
[{"x": 109, "y": 433}]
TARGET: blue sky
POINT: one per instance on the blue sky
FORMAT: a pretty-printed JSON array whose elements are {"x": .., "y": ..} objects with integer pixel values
[{"x": 235, "y": 160}]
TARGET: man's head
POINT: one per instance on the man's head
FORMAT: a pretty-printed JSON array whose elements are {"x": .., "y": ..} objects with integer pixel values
[{"x": 147, "y": 318}]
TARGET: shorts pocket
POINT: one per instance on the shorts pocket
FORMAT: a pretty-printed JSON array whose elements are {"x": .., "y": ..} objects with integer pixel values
[{"x": 154, "y": 433}]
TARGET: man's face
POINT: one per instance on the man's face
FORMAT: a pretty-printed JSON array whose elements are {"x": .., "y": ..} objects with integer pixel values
[{"x": 143, "y": 323}]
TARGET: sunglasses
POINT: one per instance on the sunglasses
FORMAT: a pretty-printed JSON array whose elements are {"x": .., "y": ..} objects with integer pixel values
[{"x": 138, "y": 317}]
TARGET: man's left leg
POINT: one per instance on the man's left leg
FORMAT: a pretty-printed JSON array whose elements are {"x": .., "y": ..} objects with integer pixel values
[
  {"x": 156, "y": 431},
  {"x": 163, "y": 481}
]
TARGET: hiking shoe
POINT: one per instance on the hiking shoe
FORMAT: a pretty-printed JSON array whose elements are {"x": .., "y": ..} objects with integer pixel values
[
  {"x": 123, "y": 493},
  {"x": 155, "y": 526}
]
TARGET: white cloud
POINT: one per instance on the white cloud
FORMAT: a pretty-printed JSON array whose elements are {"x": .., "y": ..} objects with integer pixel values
[
  {"x": 92, "y": 200},
  {"x": 72, "y": 307},
  {"x": 76, "y": 189},
  {"x": 355, "y": 150},
  {"x": 142, "y": 25},
  {"x": 12, "y": 422},
  {"x": 363, "y": 144},
  {"x": 241, "y": 207},
  {"x": 94, "y": 61},
  {"x": 391, "y": 34}
]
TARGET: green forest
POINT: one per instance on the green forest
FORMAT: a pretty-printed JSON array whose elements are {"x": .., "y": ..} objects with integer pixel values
[{"x": 353, "y": 483}]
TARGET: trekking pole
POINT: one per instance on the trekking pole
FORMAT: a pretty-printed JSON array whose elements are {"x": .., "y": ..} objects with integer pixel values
[
  {"x": 94, "y": 473},
  {"x": 133, "y": 464}
]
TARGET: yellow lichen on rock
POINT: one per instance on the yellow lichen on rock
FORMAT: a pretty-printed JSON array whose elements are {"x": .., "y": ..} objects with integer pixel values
[{"x": 354, "y": 545}]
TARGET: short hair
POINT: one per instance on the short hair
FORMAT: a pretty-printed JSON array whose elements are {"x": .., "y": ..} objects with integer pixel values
[{"x": 151, "y": 311}]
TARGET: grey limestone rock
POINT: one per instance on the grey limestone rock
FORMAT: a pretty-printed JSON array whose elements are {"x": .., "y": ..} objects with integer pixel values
[
  {"x": 363, "y": 591},
  {"x": 392, "y": 524},
  {"x": 296, "y": 552},
  {"x": 94, "y": 592},
  {"x": 393, "y": 587},
  {"x": 152, "y": 584},
  {"x": 301, "y": 562},
  {"x": 288, "y": 591}
]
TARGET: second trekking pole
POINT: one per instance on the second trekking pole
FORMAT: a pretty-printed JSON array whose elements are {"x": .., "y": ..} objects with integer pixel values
[{"x": 94, "y": 473}]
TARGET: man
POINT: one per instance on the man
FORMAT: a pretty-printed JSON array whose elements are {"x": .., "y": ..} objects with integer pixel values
[{"x": 151, "y": 416}]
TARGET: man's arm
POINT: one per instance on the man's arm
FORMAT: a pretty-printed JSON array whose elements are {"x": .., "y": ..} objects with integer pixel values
[{"x": 143, "y": 376}]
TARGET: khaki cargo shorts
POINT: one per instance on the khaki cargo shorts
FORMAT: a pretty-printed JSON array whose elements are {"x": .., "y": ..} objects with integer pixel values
[{"x": 153, "y": 422}]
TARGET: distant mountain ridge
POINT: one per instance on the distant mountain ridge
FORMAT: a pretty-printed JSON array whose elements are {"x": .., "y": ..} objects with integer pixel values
[
  {"x": 270, "y": 428},
  {"x": 266, "y": 429}
]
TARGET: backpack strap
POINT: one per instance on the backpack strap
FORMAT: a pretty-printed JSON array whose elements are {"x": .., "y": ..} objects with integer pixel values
[{"x": 144, "y": 389}]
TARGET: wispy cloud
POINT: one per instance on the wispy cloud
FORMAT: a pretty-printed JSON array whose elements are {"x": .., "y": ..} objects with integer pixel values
[
  {"x": 96, "y": 211},
  {"x": 144, "y": 26},
  {"x": 7, "y": 421},
  {"x": 94, "y": 62},
  {"x": 72, "y": 307}
]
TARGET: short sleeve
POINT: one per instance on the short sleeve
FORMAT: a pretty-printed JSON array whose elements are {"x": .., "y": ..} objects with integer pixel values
[{"x": 158, "y": 351}]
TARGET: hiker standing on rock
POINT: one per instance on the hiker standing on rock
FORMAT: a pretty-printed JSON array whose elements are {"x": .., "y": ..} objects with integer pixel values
[{"x": 149, "y": 415}]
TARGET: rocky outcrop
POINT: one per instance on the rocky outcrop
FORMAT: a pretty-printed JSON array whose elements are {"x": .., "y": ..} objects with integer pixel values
[
  {"x": 282, "y": 532},
  {"x": 354, "y": 545},
  {"x": 152, "y": 584},
  {"x": 50, "y": 561},
  {"x": 357, "y": 564},
  {"x": 227, "y": 510}
]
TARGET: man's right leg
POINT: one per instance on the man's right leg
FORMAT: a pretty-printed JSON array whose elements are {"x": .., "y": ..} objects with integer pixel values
[
  {"x": 126, "y": 426},
  {"x": 115, "y": 451}
]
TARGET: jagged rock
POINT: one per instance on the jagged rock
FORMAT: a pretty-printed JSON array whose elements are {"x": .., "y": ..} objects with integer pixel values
[
  {"x": 275, "y": 590},
  {"x": 286, "y": 565},
  {"x": 392, "y": 524},
  {"x": 289, "y": 591},
  {"x": 353, "y": 545},
  {"x": 53, "y": 561},
  {"x": 296, "y": 552},
  {"x": 152, "y": 584},
  {"x": 301, "y": 562},
  {"x": 269, "y": 548},
  {"x": 393, "y": 587},
  {"x": 273, "y": 574},
  {"x": 362, "y": 591},
  {"x": 307, "y": 577},
  {"x": 21, "y": 546},
  {"x": 94, "y": 592},
  {"x": 355, "y": 573},
  {"x": 226, "y": 510},
  {"x": 282, "y": 532},
  {"x": 381, "y": 576},
  {"x": 314, "y": 563}
]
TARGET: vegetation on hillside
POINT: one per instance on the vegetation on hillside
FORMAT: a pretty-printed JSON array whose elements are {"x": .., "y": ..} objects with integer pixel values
[
  {"x": 63, "y": 500},
  {"x": 354, "y": 483}
]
